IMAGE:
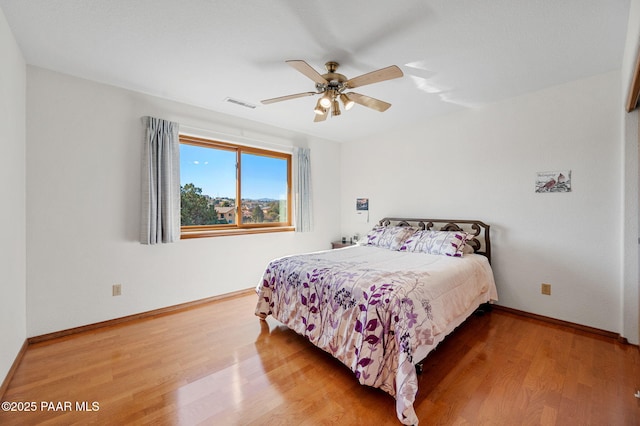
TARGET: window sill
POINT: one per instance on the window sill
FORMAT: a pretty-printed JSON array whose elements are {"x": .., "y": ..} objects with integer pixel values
[{"x": 234, "y": 231}]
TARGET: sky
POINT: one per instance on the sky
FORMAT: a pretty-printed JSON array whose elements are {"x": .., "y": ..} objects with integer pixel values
[{"x": 213, "y": 170}]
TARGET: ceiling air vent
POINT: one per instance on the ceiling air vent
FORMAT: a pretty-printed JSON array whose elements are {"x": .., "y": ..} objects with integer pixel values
[{"x": 239, "y": 102}]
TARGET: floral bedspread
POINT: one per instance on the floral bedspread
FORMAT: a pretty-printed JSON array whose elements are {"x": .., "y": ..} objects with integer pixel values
[{"x": 371, "y": 315}]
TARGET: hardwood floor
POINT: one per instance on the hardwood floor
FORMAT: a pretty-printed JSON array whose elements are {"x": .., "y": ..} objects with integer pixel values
[{"x": 218, "y": 364}]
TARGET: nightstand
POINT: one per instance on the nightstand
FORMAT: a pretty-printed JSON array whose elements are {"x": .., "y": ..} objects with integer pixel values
[{"x": 340, "y": 244}]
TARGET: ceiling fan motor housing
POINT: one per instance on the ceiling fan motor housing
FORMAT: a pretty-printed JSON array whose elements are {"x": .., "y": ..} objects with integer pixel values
[{"x": 335, "y": 81}]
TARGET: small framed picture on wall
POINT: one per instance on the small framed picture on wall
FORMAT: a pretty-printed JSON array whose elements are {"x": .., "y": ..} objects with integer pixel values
[
  {"x": 362, "y": 210},
  {"x": 362, "y": 204},
  {"x": 557, "y": 181}
]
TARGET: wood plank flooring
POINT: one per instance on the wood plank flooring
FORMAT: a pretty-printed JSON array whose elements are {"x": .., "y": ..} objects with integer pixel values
[{"x": 217, "y": 364}]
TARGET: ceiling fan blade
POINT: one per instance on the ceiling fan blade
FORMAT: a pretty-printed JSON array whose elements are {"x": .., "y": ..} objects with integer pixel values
[
  {"x": 320, "y": 117},
  {"x": 286, "y": 98},
  {"x": 307, "y": 70},
  {"x": 369, "y": 102},
  {"x": 383, "y": 74}
]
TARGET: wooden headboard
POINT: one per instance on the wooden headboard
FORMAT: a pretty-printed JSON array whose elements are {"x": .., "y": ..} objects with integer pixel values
[{"x": 481, "y": 241}]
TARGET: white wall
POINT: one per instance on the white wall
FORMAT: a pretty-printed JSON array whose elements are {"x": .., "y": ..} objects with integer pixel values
[
  {"x": 12, "y": 194},
  {"x": 481, "y": 164},
  {"x": 83, "y": 162}
]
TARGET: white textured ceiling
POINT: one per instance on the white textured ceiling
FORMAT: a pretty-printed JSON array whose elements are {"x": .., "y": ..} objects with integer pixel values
[{"x": 455, "y": 54}]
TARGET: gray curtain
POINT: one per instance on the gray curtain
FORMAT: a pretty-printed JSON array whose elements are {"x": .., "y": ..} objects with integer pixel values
[
  {"x": 160, "y": 182},
  {"x": 302, "y": 189}
]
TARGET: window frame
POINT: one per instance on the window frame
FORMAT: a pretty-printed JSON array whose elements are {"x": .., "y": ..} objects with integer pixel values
[{"x": 239, "y": 228}]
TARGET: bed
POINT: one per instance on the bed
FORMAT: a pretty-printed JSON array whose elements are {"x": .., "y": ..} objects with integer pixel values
[{"x": 382, "y": 305}]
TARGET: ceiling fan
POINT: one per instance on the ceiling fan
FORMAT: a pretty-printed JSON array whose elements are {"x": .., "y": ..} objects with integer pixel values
[{"x": 332, "y": 86}]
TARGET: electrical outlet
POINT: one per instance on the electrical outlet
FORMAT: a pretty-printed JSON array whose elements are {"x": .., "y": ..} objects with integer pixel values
[
  {"x": 546, "y": 289},
  {"x": 116, "y": 290}
]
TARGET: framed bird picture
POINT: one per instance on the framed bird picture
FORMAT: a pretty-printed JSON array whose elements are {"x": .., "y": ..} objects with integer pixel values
[{"x": 558, "y": 181}]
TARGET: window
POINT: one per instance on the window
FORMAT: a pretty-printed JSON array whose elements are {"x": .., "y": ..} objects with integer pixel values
[{"x": 232, "y": 189}]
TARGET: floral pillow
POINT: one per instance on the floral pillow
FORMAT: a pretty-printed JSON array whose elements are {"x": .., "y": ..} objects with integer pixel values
[
  {"x": 436, "y": 242},
  {"x": 391, "y": 237}
]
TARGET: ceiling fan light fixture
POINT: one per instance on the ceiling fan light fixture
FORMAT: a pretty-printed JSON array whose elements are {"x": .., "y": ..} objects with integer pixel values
[
  {"x": 346, "y": 101},
  {"x": 335, "y": 108},
  {"x": 319, "y": 109},
  {"x": 325, "y": 100}
]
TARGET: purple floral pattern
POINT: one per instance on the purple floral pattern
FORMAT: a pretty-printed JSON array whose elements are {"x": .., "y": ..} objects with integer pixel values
[{"x": 370, "y": 320}]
